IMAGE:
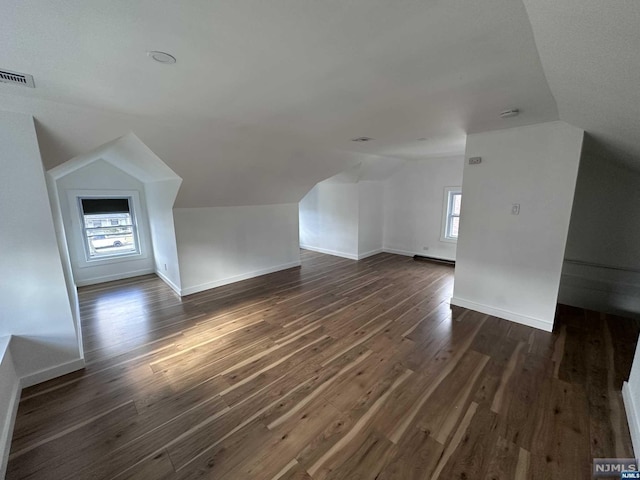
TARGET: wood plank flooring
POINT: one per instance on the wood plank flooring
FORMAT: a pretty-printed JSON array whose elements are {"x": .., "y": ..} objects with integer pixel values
[{"x": 336, "y": 370}]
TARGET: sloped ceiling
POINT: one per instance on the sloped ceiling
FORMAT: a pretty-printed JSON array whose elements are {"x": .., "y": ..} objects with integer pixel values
[
  {"x": 266, "y": 95},
  {"x": 373, "y": 169},
  {"x": 590, "y": 52},
  {"x": 126, "y": 153}
]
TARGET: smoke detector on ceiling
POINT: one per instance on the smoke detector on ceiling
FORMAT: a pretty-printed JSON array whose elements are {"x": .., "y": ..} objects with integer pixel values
[
  {"x": 514, "y": 112},
  {"x": 162, "y": 57},
  {"x": 362, "y": 139},
  {"x": 17, "y": 78}
]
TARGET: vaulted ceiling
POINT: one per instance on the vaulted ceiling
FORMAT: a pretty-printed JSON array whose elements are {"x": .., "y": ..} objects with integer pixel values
[
  {"x": 590, "y": 53},
  {"x": 265, "y": 96}
]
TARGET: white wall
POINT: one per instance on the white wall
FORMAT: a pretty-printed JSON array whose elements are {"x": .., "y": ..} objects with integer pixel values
[
  {"x": 601, "y": 268},
  {"x": 510, "y": 265},
  {"x": 9, "y": 398},
  {"x": 160, "y": 198},
  {"x": 370, "y": 218},
  {"x": 329, "y": 219},
  {"x": 355, "y": 218},
  {"x": 414, "y": 202},
  {"x": 602, "y": 260},
  {"x": 35, "y": 306},
  {"x": 65, "y": 257},
  {"x": 631, "y": 395},
  {"x": 220, "y": 245},
  {"x": 98, "y": 178}
]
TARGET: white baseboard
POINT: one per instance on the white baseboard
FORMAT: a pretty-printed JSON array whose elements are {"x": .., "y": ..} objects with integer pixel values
[
  {"x": 505, "y": 314},
  {"x": 7, "y": 432},
  {"x": 111, "y": 278},
  {"x": 12, "y": 408},
  {"x": 336, "y": 253},
  {"x": 633, "y": 418},
  {"x": 369, "y": 254},
  {"x": 407, "y": 253},
  {"x": 352, "y": 256},
  {"x": 53, "y": 372},
  {"x": 237, "y": 278},
  {"x": 166, "y": 280}
]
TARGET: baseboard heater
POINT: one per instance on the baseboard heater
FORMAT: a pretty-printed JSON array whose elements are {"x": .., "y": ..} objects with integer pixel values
[{"x": 422, "y": 258}]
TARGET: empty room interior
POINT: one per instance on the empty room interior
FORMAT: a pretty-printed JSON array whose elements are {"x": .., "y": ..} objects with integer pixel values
[{"x": 319, "y": 240}]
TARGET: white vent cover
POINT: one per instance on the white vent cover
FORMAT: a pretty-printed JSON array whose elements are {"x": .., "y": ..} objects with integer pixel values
[{"x": 7, "y": 76}]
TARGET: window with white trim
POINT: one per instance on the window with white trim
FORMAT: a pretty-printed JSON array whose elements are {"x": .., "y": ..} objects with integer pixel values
[
  {"x": 109, "y": 227},
  {"x": 451, "y": 214}
]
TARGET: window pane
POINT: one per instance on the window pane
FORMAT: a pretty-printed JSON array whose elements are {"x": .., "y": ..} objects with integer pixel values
[
  {"x": 97, "y": 232},
  {"x": 92, "y": 206},
  {"x": 110, "y": 234},
  {"x": 455, "y": 223},
  {"x": 107, "y": 220},
  {"x": 455, "y": 204}
]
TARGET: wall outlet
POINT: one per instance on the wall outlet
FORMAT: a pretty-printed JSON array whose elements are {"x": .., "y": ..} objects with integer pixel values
[
  {"x": 425, "y": 248},
  {"x": 475, "y": 160},
  {"x": 515, "y": 209}
]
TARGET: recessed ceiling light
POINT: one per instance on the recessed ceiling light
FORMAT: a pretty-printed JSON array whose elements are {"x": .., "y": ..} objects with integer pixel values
[
  {"x": 361, "y": 139},
  {"x": 162, "y": 57},
  {"x": 514, "y": 112}
]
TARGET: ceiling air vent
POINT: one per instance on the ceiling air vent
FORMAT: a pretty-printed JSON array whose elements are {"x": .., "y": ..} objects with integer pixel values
[{"x": 7, "y": 76}]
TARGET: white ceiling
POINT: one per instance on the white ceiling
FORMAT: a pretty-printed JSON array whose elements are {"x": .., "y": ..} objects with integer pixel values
[
  {"x": 590, "y": 52},
  {"x": 127, "y": 153},
  {"x": 372, "y": 169},
  {"x": 266, "y": 95}
]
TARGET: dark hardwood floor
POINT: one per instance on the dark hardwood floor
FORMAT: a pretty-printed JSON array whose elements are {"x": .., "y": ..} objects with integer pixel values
[{"x": 339, "y": 369}]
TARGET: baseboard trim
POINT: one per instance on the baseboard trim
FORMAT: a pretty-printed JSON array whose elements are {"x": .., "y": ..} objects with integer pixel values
[
  {"x": 53, "y": 372},
  {"x": 336, "y": 253},
  {"x": 407, "y": 253},
  {"x": 24, "y": 382},
  {"x": 504, "y": 314},
  {"x": 7, "y": 433},
  {"x": 111, "y": 278},
  {"x": 633, "y": 418},
  {"x": 166, "y": 280},
  {"x": 424, "y": 258},
  {"x": 326, "y": 251},
  {"x": 370, "y": 253},
  {"x": 237, "y": 278}
]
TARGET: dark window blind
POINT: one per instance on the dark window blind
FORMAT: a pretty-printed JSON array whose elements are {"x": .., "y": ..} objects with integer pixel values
[{"x": 92, "y": 206}]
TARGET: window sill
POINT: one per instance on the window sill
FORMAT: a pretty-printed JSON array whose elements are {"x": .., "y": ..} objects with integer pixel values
[
  {"x": 96, "y": 262},
  {"x": 448, "y": 240}
]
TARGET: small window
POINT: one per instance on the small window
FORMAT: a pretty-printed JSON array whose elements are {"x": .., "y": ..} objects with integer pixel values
[
  {"x": 451, "y": 214},
  {"x": 109, "y": 227}
]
